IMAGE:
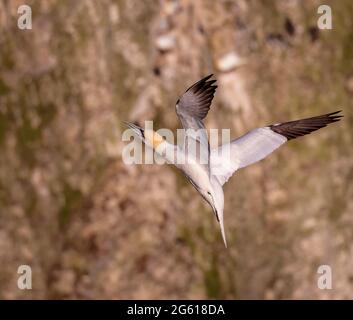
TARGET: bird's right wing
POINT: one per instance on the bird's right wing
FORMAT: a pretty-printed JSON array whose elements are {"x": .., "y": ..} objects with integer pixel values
[
  {"x": 258, "y": 143},
  {"x": 192, "y": 108}
]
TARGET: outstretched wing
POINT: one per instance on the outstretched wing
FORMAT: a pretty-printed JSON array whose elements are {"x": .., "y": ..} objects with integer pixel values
[
  {"x": 258, "y": 143},
  {"x": 192, "y": 108}
]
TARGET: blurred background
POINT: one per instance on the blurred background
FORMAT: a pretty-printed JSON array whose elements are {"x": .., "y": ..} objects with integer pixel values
[{"x": 92, "y": 227}]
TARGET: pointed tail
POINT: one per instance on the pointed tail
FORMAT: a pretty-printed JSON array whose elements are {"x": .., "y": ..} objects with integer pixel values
[{"x": 221, "y": 224}]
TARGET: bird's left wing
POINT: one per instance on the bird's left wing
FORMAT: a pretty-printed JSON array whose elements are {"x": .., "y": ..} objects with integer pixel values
[
  {"x": 258, "y": 143},
  {"x": 192, "y": 108}
]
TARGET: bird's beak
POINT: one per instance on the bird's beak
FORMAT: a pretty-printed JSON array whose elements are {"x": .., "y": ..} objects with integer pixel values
[{"x": 138, "y": 130}]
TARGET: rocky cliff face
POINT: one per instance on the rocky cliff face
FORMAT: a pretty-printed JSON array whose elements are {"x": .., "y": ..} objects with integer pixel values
[{"x": 92, "y": 227}]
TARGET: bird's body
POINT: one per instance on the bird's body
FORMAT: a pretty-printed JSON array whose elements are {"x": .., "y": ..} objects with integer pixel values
[{"x": 209, "y": 169}]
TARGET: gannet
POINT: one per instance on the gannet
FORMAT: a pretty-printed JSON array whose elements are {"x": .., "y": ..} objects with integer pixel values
[{"x": 208, "y": 177}]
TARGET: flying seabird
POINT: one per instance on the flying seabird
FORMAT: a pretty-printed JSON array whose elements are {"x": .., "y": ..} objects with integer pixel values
[{"x": 208, "y": 177}]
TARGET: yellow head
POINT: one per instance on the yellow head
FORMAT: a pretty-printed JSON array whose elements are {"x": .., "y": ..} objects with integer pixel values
[{"x": 153, "y": 138}]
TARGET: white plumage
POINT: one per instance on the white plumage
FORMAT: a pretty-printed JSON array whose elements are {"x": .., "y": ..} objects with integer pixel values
[{"x": 209, "y": 176}]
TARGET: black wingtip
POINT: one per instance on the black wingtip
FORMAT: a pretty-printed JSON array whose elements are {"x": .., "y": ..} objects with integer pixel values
[
  {"x": 199, "y": 84},
  {"x": 208, "y": 77},
  {"x": 297, "y": 128},
  {"x": 335, "y": 113},
  {"x": 196, "y": 100},
  {"x": 334, "y": 116}
]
